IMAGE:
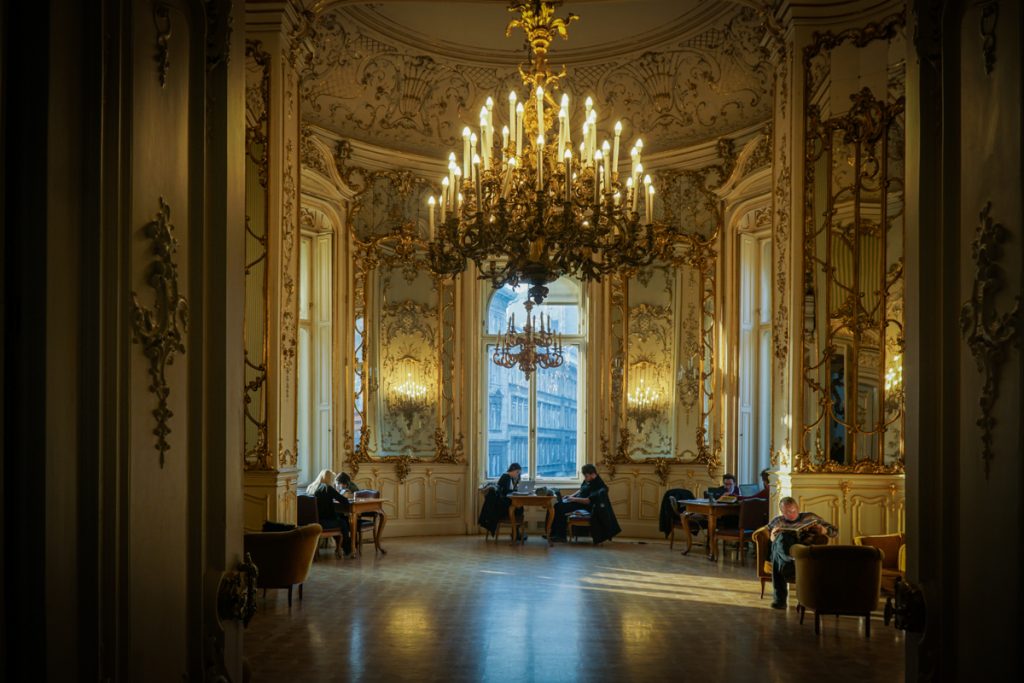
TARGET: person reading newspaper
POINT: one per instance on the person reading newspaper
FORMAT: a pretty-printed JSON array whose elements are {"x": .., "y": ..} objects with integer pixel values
[{"x": 788, "y": 529}]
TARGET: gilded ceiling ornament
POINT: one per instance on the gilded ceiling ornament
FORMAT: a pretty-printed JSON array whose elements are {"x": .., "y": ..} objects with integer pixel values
[
  {"x": 161, "y": 329},
  {"x": 988, "y": 333}
]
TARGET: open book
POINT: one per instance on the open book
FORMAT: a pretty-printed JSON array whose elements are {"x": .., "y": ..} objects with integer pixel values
[{"x": 797, "y": 526}]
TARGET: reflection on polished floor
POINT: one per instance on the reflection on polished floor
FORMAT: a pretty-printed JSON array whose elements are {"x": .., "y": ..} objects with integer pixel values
[{"x": 465, "y": 609}]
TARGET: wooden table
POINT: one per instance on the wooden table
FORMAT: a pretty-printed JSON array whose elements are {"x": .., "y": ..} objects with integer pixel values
[
  {"x": 357, "y": 506},
  {"x": 534, "y": 501},
  {"x": 712, "y": 511}
]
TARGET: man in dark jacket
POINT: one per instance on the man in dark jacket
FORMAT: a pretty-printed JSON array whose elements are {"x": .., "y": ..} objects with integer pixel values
[{"x": 592, "y": 496}]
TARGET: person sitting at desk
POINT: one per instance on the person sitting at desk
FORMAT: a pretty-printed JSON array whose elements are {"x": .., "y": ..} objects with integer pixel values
[
  {"x": 346, "y": 487},
  {"x": 322, "y": 488},
  {"x": 788, "y": 529},
  {"x": 763, "y": 493},
  {"x": 592, "y": 496},
  {"x": 496, "y": 502}
]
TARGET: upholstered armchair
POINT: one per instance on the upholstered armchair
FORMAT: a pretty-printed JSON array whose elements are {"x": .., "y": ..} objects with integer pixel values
[
  {"x": 894, "y": 554},
  {"x": 838, "y": 579},
  {"x": 762, "y": 539},
  {"x": 283, "y": 558}
]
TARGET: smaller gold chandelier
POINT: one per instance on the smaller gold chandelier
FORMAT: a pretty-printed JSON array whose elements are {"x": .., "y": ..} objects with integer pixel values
[
  {"x": 534, "y": 347},
  {"x": 644, "y": 401},
  {"x": 409, "y": 395}
]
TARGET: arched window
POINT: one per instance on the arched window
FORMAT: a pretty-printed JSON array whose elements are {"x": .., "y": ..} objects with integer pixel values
[{"x": 536, "y": 422}]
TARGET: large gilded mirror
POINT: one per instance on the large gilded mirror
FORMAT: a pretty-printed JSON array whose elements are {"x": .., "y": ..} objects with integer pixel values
[
  {"x": 853, "y": 412},
  {"x": 663, "y": 369},
  {"x": 403, "y": 353}
]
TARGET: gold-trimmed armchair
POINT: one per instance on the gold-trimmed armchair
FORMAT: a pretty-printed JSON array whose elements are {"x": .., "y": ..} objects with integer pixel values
[{"x": 894, "y": 557}]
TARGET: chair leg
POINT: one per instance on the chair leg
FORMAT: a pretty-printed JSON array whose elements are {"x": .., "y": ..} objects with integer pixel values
[
  {"x": 300, "y": 592},
  {"x": 289, "y": 596},
  {"x": 867, "y": 625},
  {"x": 763, "y": 582},
  {"x": 801, "y": 610},
  {"x": 672, "y": 538},
  {"x": 817, "y": 623}
]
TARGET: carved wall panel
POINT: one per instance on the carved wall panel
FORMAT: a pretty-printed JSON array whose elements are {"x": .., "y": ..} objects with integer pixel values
[
  {"x": 869, "y": 515},
  {"x": 445, "y": 496},
  {"x": 370, "y": 85}
]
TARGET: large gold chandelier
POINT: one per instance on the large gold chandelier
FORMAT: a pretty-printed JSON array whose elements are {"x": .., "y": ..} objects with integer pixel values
[{"x": 529, "y": 207}]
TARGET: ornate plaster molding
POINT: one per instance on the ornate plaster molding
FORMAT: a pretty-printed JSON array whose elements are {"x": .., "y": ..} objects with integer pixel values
[
  {"x": 988, "y": 333},
  {"x": 161, "y": 329},
  {"x": 361, "y": 84}
]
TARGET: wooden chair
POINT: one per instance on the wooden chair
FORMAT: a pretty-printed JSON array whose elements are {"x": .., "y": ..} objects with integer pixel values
[
  {"x": 367, "y": 520},
  {"x": 838, "y": 579},
  {"x": 575, "y": 520},
  {"x": 753, "y": 516},
  {"x": 685, "y": 521},
  {"x": 306, "y": 513},
  {"x": 502, "y": 521}
]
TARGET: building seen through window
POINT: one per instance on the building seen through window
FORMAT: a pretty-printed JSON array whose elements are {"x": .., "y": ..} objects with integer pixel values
[{"x": 535, "y": 422}]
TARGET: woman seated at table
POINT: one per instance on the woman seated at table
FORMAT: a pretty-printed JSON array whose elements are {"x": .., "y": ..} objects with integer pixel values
[
  {"x": 345, "y": 485},
  {"x": 593, "y": 497},
  {"x": 322, "y": 488},
  {"x": 496, "y": 502}
]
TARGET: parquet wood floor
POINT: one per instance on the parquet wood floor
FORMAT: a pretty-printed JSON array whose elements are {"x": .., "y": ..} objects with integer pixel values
[{"x": 466, "y": 609}]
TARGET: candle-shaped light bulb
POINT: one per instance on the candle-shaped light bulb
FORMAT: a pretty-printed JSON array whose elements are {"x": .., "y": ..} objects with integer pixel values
[
  {"x": 476, "y": 182},
  {"x": 597, "y": 173},
  {"x": 631, "y": 193},
  {"x": 540, "y": 109},
  {"x": 430, "y": 211},
  {"x": 540, "y": 162},
  {"x": 568, "y": 175},
  {"x": 445, "y": 189},
  {"x": 504, "y": 138},
  {"x": 507, "y": 184},
  {"x": 606, "y": 154},
  {"x": 565, "y": 101},
  {"x": 647, "y": 198},
  {"x": 615, "y": 147},
  {"x": 466, "y": 155},
  {"x": 588, "y": 105},
  {"x": 519, "y": 129},
  {"x": 650, "y": 203}
]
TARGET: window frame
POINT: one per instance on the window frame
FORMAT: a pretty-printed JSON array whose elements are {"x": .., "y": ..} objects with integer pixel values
[{"x": 579, "y": 340}]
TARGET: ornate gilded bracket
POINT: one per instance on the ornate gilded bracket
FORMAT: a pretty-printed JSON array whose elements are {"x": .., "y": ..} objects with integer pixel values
[
  {"x": 988, "y": 334},
  {"x": 157, "y": 329},
  {"x": 236, "y": 595}
]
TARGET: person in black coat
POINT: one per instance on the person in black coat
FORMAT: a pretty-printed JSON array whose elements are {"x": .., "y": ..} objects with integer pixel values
[
  {"x": 496, "y": 502},
  {"x": 322, "y": 488},
  {"x": 593, "y": 497}
]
